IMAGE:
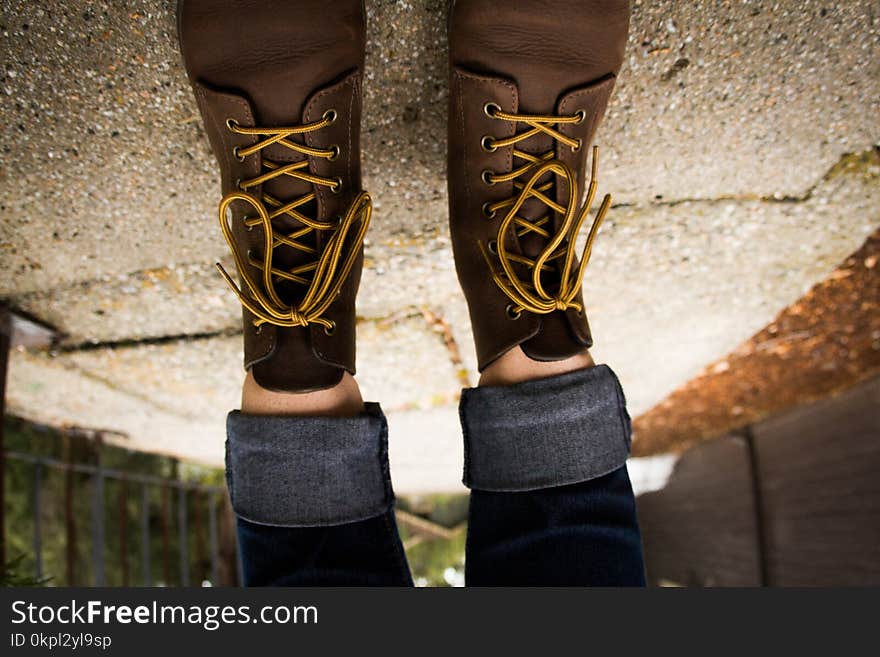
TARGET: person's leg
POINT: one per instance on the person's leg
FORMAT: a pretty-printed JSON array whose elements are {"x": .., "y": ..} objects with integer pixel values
[
  {"x": 308, "y": 478},
  {"x": 551, "y": 501},
  {"x": 278, "y": 87},
  {"x": 546, "y": 432}
]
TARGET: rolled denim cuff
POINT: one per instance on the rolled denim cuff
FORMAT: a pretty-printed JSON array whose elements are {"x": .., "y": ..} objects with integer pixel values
[
  {"x": 308, "y": 471},
  {"x": 545, "y": 433}
]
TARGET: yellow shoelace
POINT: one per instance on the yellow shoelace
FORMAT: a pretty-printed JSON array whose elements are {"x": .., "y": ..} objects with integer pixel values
[
  {"x": 332, "y": 267},
  {"x": 532, "y": 295}
]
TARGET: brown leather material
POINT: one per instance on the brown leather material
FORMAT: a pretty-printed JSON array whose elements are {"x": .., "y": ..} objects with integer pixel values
[
  {"x": 535, "y": 57},
  {"x": 273, "y": 63}
]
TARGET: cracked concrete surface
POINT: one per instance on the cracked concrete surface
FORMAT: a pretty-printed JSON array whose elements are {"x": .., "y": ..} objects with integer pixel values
[{"x": 739, "y": 147}]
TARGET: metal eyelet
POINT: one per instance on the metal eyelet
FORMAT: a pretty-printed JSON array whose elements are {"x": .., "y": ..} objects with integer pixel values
[
  {"x": 581, "y": 115},
  {"x": 336, "y": 188},
  {"x": 487, "y": 211},
  {"x": 231, "y": 124},
  {"x": 330, "y": 116},
  {"x": 238, "y": 185},
  {"x": 511, "y": 313},
  {"x": 575, "y": 149},
  {"x": 237, "y": 153},
  {"x": 486, "y": 176},
  {"x": 336, "y": 151},
  {"x": 489, "y": 109},
  {"x": 330, "y": 330},
  {"x": 487, "y": 144},
  {"x": 493, "y": 246}
]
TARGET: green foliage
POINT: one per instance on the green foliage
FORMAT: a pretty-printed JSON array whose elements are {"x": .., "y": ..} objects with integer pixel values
[{"x": 13, "y": 574}]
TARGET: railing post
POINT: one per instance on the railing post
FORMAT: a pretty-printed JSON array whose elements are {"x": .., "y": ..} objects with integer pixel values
[
  {"x": 123, "y": 529},
  {"x": 166, "y": 547},
  {"x": 69, "y": 519},
  {"x": 38, "y": 520},
  {"x": 212, "y": 537},
  {"x": 198, "y": 509},
  {"x": 182, "y": 530},
  {"x": 98, "y": 533},
  {"x": 5, "y": 343},
  {"x": 146, "y": 544}
]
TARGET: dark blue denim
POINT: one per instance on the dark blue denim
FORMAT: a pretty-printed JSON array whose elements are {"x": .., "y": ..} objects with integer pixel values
[
  {"x": 582, "y": 534},
  {"x": 364, "y": 553},
  {"x": 578, "y": 535},
  {"x": 551, "y": 500}
]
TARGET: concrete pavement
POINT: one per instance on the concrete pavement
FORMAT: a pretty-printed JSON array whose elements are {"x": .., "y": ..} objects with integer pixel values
[{"x": 739, "y": 146}]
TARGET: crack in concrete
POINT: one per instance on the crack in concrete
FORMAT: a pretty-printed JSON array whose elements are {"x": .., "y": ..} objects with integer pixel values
[
  {"x": 140, "y": 342},
  {"x": 438, "y": 324},
  {"x": 847, "y": 164}
]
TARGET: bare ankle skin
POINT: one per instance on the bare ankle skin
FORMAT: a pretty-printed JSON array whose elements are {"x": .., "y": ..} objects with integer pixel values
[
  {"x": 516, "y": 367},
  {"x": 342, "y": 400}
]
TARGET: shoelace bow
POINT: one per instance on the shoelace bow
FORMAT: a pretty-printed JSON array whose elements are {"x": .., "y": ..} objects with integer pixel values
[
  {"x": 532, "y": 295},
  {"x": 332, "y": 267}
]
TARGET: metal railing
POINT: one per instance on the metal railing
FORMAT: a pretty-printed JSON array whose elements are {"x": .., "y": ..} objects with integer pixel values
[{"x": 212, "y": 495}]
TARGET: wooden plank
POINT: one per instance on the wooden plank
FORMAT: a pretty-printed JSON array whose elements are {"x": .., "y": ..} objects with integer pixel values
[
  {"x": 701, "y": 530},
  {"x": 820, "y": 486}
]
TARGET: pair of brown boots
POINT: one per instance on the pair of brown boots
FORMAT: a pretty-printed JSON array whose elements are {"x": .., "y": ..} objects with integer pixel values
[{"x": 278, "y": 84}]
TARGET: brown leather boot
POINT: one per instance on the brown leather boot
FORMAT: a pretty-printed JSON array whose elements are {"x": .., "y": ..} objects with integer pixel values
[
  {"x": 278, "y": 85},
  {"x": 529, "y": 84}
]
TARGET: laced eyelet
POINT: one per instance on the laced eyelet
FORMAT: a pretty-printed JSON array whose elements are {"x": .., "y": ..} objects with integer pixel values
[
  {"x": 581, "y": 115},
  {"x": 512, "y": 314},
  {"x": 487, "y": 177},
  {"x": 575, "y": 149},
  {"x": 330, "y": 330},
  {"x": 231, "y": 124},
  {"x": 488, "y": 144},
  {"x": 237, "y": 153},
  {"x": 487, "y": 211},
  {"x": 238, "y": 185},
  {"x": 336, "y": 151},
  {"x": 330, "y": 116},
  {"x": 336, "y": 188},
  {"x": 493, "y": 246},
  {"x": 489, "y": 109}
]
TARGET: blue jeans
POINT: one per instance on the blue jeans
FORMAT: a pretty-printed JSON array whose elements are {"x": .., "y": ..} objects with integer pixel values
[{"x": 551, "y": 502}]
